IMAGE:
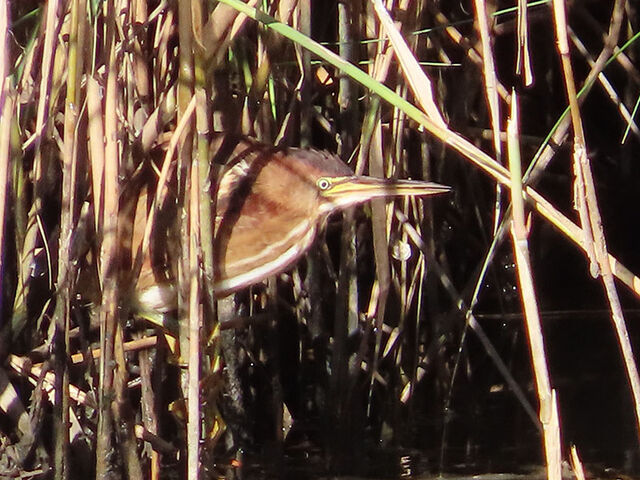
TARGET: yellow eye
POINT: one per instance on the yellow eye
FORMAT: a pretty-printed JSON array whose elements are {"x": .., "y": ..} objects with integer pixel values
[{"x": 323, "y": 183}]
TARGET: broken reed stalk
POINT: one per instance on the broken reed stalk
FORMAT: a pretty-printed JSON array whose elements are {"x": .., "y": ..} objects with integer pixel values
[{"x": 548, "y": 408}]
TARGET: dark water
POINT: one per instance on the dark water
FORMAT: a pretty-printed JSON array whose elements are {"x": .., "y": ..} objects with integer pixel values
[{"x": 485, "y": 433}]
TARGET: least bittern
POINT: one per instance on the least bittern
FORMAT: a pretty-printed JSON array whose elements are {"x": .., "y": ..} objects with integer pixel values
[{"x": 270, "y": 204}]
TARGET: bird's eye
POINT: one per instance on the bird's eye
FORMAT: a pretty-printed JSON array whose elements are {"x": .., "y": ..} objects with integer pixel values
[{"x": 323, "y": 183}]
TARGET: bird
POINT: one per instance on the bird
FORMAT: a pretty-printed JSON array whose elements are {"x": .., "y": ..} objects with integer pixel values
[{"x": 271, "y": 202}]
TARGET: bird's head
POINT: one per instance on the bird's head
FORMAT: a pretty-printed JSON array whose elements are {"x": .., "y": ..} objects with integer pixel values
[{"x": 341, "y": 192}]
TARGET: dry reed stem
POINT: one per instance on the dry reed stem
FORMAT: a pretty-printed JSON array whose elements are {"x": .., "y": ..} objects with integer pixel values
[
  {"x": 52, "y": 27},
  {"x": 36, "y": 375},
  {"x": 523, "y": 61},
  {"x": 381, "y": 249},
  {"x": 458, "y": 300},
  {"x": 222, "y": 27},
  {"x": 548, "y": 211},
  {"x": 7, "y": 99},
  {"x": 370, "y": 152},
  {"x": 11, "y": 405},
  {"x": 45, "y": 380},
  {"x": 66, "y": 269},
  {"x": 403, "y": 279},
  {"x": 544, "y": 207},
  {"x": 373, "y": 146},
  {"x": 548, "y": 408},
  {"x": 576, "y": 464},
  {"x": 414, "y": 74},
  {"x": 579, "y": 199},
  {"x": 4, "y": 60},
  {"x": 130, "y": 346},
  {"x": 470, "y": 50},
  {"x": 33, "y": 226},
  {"x": 393, "y": 148},
  {"x": 491, "y": 94},
  {"x": 203, "y": 181},
  {"x": 150, "y": 420},
  {"x": 490, "y": 79},
  {"x": 195, "y": 322},
  {"x": 587, "y": 204},
  {"x": 96, "y": 152},
  {"x": 543, "y": 157},
  {"x": 471, "y": 322},
  {"x": 188, "y": 271},
  {"x": 208, "y": 174},
  {"x": 162, "y": 187},
  {"x": 33, "y": 372},
  {"x": 109, "y": 316},
  {"x": 606, "y": 84}
]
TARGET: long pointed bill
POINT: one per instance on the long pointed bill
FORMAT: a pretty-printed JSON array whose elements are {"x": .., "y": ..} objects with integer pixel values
[{"x": 347, "y": 191}]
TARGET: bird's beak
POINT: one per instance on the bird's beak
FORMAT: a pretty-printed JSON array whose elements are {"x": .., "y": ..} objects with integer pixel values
[{"x": 346, "y": 191}]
